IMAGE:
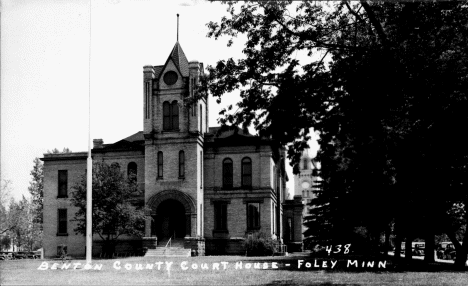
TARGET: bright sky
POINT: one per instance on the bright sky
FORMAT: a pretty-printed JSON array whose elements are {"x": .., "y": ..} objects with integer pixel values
[{"x": 45, "y": 71}]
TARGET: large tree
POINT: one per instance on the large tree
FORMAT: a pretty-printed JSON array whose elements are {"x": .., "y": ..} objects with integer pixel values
[
  {"x": 36, "y": 189},
  {"x": 395, "y": 85},
  {"x": 117, "y": 208},
  {"x": 24, "y": 233},
  {"x": 5, "y": 190}
]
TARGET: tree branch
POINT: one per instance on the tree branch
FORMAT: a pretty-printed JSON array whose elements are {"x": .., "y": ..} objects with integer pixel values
[{"x": 375, "y": 23}]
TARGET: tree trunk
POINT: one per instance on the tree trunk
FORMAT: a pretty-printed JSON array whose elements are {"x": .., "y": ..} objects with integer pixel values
[
  {"x": 397, "y": 253},
  {"x": 408, "y": 248},
  {"x": 462, "y": 250},
  {"x": 429, "y": 247},
  {"x": 398, "y": 240},
  {"x": 460, "y": 259},
  {"x": 387, "y": 240}
]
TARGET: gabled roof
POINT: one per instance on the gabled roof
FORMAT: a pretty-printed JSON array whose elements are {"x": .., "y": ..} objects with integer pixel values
[
  {"x": 133, "y": 142},
  {"x": 225, "y": 132},
  {"x": 157, "y": 70},
  {"x": 180, "y": 60},
  {"x": 135, "y": 137}
]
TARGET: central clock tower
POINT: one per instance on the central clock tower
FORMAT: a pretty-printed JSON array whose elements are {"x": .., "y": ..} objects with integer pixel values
[{"x": 174, "y": 143}]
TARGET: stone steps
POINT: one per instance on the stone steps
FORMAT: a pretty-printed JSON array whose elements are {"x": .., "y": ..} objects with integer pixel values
[{"x": 168, "y": 252}]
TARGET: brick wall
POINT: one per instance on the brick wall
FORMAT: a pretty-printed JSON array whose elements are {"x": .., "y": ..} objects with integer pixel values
[{"x": 75, "y": 164}]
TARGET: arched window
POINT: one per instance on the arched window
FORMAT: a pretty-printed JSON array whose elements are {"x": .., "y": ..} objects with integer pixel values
[
  {"x": 246, "y": 172},
  {"x": 305, "y": 164},
  {"x": 160, "y": 164},
  {"x": 227, "y": 173},
  {"x": 181, "y": 164},
  {"x": 132, "y": 171},
  {"x": 175, "y": 115},
  {"x": 170, "y": 115},
  {"x": 166, "y": 116}
]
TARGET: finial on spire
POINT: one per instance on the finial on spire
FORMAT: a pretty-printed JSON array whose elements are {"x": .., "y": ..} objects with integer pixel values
[{"x": 177, "y": 27}]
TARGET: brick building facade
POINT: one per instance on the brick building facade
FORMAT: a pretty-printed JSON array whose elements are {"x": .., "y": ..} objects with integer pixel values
[{"x": 201, "y": 185}]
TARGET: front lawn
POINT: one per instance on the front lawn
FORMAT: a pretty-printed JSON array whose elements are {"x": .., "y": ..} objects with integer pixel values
[{"x": 212, "y": 270}]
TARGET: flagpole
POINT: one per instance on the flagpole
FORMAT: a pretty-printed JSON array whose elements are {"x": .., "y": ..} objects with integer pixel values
[{"x": 89, "y": 172}]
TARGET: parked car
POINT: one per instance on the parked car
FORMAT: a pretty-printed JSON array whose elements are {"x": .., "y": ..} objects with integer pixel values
[
  {"x": 417, "y": 248},
  {"x": 25, "y": 255},
  {"x": 446, "y": 250},
  {"x": 6, "y": 256}
]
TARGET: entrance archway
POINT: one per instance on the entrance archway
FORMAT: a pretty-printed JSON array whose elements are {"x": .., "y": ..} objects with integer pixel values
[
  {"x": 170, "y": 220},
  {"x": 171, "y": 211}
]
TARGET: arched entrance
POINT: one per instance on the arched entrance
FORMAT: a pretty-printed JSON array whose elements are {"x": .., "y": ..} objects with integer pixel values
[
  {"x": 172, "y": 213},
  {"x": 170, "y": 220}
]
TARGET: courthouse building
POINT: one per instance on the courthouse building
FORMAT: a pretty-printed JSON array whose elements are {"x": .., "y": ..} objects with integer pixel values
[{"x": 207, "y": 190}]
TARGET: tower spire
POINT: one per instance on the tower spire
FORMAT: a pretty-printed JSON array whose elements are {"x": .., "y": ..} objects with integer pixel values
[{"x": 177, "y": 27}]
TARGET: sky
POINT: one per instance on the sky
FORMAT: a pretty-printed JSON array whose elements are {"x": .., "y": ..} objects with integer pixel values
[{"x": 53, "y": 55}]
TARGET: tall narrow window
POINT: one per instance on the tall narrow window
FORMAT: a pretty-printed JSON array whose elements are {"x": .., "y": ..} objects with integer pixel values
[
  {"x": 220, "y": 210},
  {"x": 274, "y": 217},
  {"x": 291, "y": 229},
  {"x": 147, "y": 100},
  {"x": 246, "y": 172},
  {"x": 305, "y": 164},
  {"x": 62, "y": 222},
  {"x": 62, "y": 183},
  {"x": 253, "y": 216},
  {"x": 175, "y": 115},
  {"x": 132, "y": 171},
  {"x": 201, "y": 119},
  {"x": 160, "y": 164},
  {"x": 201, "y": 169},
  {"x": 227, "y": 174},
  {"x": 181, "y": 164},
  {"x": 170, "y": 115},
  {"x": 274, "y": 178},
  {"x": 166, "y": 116}
]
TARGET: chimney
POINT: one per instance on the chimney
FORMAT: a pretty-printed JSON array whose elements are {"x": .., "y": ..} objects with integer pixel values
[{"x": 97, "y": 143}]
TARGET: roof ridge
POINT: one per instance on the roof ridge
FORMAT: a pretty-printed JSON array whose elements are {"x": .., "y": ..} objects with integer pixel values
[{"x": 180, "y": 59}]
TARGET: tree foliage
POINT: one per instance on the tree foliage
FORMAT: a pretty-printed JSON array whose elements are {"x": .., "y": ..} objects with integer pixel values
[
  {"x": 36, "y": 189},
  {"x": 5, "y": 192},
  {"x": 57, "y": 151},
  {"x": 23, "y": 232},
  {"x": 385, "y": 86},
  {"x": 116, "y": 204}
]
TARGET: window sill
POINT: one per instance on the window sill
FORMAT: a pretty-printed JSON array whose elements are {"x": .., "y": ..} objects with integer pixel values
[
  {"x": 62, "y": 197},
  {"x": 62, "y": 234},
  {"x": 160, "y": 178},
  {"x": 223, "y": 234},
  {"x": 220, "y": 231},
  {"x": 182, "y": 178}
]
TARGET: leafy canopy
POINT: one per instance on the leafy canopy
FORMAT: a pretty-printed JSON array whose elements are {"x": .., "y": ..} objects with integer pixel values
[{"x": 116, "y": 203}]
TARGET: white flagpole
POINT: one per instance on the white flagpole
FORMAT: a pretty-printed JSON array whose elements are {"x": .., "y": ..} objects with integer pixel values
[{"x": 89, "y": 173}]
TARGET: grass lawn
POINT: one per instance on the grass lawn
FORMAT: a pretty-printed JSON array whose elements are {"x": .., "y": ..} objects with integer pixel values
[{"x": 26, "y": 272}]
